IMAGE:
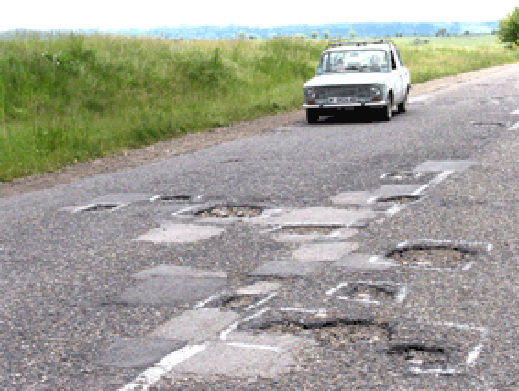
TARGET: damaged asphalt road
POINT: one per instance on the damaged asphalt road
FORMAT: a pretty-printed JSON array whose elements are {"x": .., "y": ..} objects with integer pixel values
[{"x": 346, "y": 254}]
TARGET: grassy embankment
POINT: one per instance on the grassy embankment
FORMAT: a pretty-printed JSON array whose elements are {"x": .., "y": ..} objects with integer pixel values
[{"x": 79, "y": 98}]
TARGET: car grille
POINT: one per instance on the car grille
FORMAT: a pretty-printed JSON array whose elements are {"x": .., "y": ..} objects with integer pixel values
[{"x": 342, "y": 92}]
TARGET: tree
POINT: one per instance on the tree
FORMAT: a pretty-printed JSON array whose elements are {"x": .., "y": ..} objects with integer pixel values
[
  {"x": 326, "y": 34},
  {"x": 441, "y": 32},
  {"x": 242, "y": 35},
  {"x": 315, "y": 34},
  {"x": 467, "y": 32},
  {"x": 508, "y": 29},
  {"x": 352, "y": 34}
]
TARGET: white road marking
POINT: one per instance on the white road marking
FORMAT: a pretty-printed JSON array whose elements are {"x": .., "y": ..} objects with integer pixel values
[
  {"x": 514, "y": 126},
  {"x": 516, "y": 112},
  {"x": 394, "y": 210},
  {"x": 366, "y": 301},
  {"x": 153, "y": 374},
  {"x": 371, "y": 200},
  {"x": 332, "y": 291},
  {"x": 307, "y": 310},
  {"x": 419, "y": 190},
  {"x": 402, "y": 293},
  {"x": 262, "y": 301},
  {"x": 440, "y": 177},
  {"x": 449, "y": 371},
  {"x": 202, "y": 303},
  {"x": 234, "y": 326},
  {"x": 474, "y": 354},
  {"x": 252, "y": 346}
]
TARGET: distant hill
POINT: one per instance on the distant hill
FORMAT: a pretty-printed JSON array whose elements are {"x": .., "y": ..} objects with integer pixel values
[{"x": 337, "y": 29}]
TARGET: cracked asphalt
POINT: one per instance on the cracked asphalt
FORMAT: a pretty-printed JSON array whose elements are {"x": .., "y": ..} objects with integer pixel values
[{"x": 65, "y": 277}]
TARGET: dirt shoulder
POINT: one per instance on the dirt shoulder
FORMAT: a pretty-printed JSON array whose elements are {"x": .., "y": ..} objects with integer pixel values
[{"x": 196, "y": 141}]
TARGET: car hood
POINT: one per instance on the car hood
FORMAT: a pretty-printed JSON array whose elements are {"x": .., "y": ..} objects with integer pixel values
[{"x": 348, "y": 78}]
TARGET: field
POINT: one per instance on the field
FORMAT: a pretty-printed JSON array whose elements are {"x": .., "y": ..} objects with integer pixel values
[{"x": 81, "y": 97}]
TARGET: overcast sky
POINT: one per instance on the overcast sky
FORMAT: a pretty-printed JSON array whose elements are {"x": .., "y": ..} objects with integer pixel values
[{"x": 118, "y": 14}]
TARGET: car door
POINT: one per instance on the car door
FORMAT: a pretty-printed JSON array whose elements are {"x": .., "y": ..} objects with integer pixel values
[
  {"x": 396, "y": 79},
  {"x": 404, "y": 73}
]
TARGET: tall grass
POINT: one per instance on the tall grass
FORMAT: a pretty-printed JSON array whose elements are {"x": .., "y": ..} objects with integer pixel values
[{"x": 77, "y": 98}]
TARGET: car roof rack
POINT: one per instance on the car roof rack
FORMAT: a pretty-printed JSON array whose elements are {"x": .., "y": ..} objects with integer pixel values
[{"x": 359, "y": 43}]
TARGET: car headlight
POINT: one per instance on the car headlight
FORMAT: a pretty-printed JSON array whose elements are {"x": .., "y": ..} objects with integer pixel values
[
  {"x": 375, "y": 91},
  {"x": 310, "y": 93}
]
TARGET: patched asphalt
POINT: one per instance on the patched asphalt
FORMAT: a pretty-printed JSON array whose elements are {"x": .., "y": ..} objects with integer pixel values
[{"x": 94, "y": 299}]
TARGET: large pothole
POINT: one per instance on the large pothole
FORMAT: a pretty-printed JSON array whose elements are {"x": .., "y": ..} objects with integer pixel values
[
  {"x": 433, "y": 256},
  {"x": 420, "y": 357},
  {"x": 372, "y": 292},
  {"x": 335, "y": 334},
  {"x": 226, "y": 211},
  {"x": 238, "y": 302},
  {"x": 399, "y": 199},
  {"x": 98, "y": 207},
  {"x": 173, "y": 198}
]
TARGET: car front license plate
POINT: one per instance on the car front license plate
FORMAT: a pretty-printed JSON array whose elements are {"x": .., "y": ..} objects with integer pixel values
[{"x": 342, "y": 100}]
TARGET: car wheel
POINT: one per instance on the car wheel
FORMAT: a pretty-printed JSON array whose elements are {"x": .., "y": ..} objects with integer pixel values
[
  {"x": 312, "y": 115},
  {"x": 387, "y": 110},
  {"x": 402, "y": 107}
]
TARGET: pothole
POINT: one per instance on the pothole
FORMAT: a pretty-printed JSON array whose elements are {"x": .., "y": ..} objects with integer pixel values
[
  {"x": 237, "y": 302},
  {"x": 369, "y": 291},
  {"x": 443, "y": 256},
  {"x": 225, "y": 211},
  {"x": 98, "y": 207},
  {"x": 488, "y": 123},
  {"x": 402, "y": 175},
  {"x": 167, "y": 197},
  {"x": 335, "y": 334},
  {"x": 232, "y": 160},
  {"x": 420, "y": 356},
  {"x": 400, "y": 199}
]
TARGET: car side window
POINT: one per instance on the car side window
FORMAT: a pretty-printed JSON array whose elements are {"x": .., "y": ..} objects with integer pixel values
[
  {"x": 393, "y": 62},
  {"x": 399, "y": 57}
]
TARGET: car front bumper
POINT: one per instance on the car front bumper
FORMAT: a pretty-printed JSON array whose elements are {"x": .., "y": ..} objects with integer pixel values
[{"x": 351, "y": 105}]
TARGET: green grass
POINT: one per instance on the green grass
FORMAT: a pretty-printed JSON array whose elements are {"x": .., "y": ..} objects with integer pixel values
[{"x": 77, "y": 98}]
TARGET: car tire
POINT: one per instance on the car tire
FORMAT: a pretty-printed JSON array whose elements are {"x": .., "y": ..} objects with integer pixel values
[
  {"x": 387, "y": 111},
  {"x": 402, "y": 107},
  {"x": 312, "y": 115}
]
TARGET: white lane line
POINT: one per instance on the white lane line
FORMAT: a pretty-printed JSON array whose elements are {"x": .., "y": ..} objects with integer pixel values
[
  {"x": 309, "y": 311},
  {"x": 202, "y": 303},
  {"x": 366, "y": 301},
  {"x": 474, "y": 354},
  {"x": 153, "y": 374},
  {"x": 332, "y": 291},
  {"x": 262, "y": 301},
  {"x": 516, "y": 112},
  {"x": 234, "y": 326},
  {"x": 402, "y": 293},
  {"x": 514, "y": 126},
  {"x": 440, "y": 177},
  {"x": 252, "y": 346},
  {"x": 419, "y": 190},
  {"x": 394, "y": 210},
  {"x": 450, "y": 371},
  {"x": 371, "y": 200}
]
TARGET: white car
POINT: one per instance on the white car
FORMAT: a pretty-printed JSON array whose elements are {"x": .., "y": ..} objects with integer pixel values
[{"x": 358, "y": 74}]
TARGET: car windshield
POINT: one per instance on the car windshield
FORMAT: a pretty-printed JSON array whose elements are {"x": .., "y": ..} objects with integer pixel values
[{"x": 355, "y": 61}]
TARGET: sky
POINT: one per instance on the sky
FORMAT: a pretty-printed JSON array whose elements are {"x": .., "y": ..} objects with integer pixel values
[{"x": 118, "y": 14}]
